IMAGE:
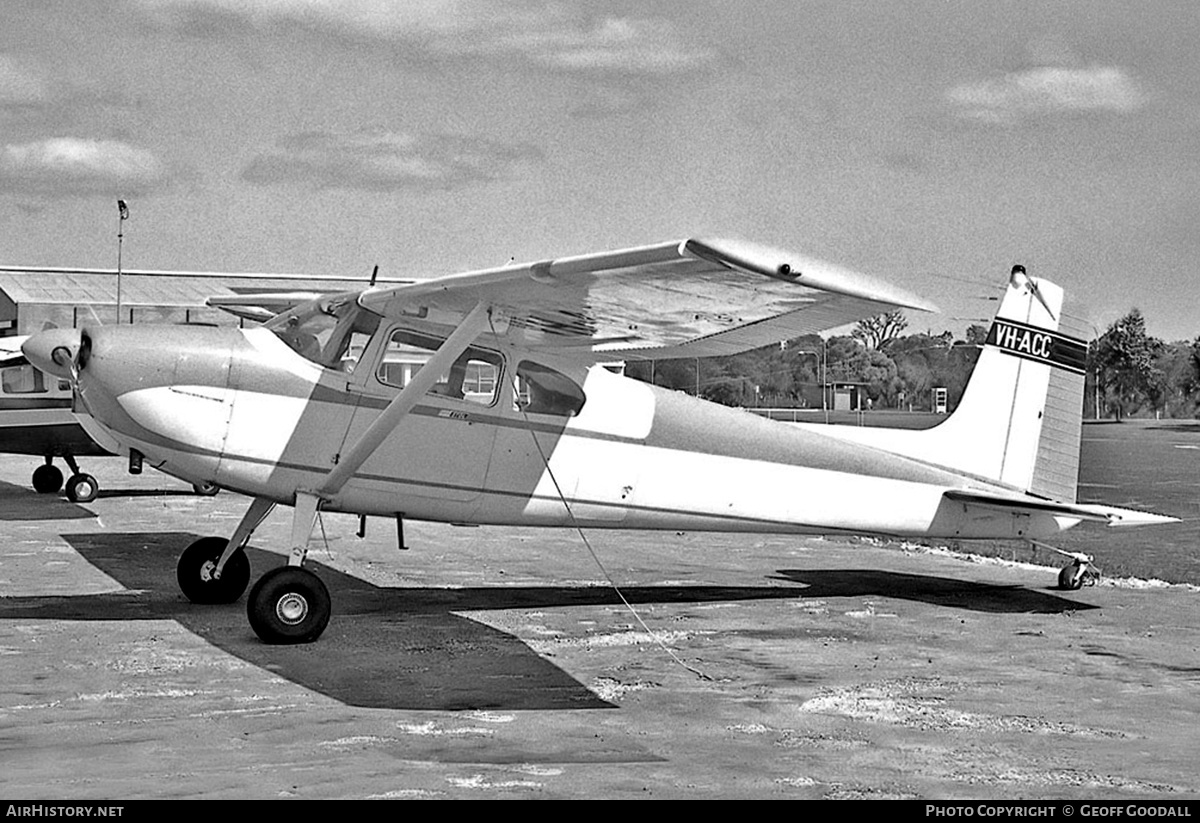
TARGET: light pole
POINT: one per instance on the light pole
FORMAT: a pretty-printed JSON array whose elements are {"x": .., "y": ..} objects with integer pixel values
[{"x": 122, "y": 216}]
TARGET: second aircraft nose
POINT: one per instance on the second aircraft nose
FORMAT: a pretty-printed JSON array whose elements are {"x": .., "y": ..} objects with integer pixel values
[{"x": 53, "y": 351}]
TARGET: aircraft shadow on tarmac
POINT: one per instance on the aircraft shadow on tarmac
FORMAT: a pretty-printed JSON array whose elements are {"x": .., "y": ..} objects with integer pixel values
[
  {"x": 936, "y": 591},
  {"x": 407, "y": 648},
  {"x": 20, "y": 503}
]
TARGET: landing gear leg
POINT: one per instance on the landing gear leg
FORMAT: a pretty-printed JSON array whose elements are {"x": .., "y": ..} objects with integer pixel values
[
  {"x": 47, "y": 478},
  {"x": 216, "y": 570},
  {"x": 81, "y": 487},
  {"x": 291, "y": 604}
]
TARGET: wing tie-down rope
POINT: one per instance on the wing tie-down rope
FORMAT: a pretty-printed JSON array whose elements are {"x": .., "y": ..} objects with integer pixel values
[{"x": 587, "y": 543}]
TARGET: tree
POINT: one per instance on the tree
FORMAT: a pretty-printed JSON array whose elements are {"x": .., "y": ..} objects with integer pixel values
[
  {"x": 1124, "y": 363},
  {"x": 977, "y": 334},
  {"x": 876, "y": 332},
  {"x": 1179, "y": 366}
]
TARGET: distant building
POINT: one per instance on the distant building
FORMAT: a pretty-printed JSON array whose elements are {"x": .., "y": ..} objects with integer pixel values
[{"x": 33, "y": 299}]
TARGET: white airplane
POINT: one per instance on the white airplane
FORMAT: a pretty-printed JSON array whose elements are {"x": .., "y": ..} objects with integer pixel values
[
  {"x": 36, "y": 418},
  {"x": 482, "y": 398},
  {"x": 36, "y": 415}
]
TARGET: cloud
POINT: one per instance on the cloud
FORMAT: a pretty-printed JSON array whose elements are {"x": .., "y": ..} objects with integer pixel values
[
  {"x": 376, "y": 17},
  {"x": 70, "y": 166},
  {"x": 610, "y": 45},
  {"x": 1048, "y": 91},
  {"x": 543, "y": 34},
  {"x": 384, "y": 161},
  {"x": 18, "y": 87}
]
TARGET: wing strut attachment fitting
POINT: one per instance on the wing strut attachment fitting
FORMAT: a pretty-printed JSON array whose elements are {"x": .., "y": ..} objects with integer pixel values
[{"x": 308, "y": 501}]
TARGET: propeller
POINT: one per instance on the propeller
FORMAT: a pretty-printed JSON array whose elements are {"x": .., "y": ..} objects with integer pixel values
[{"x": 61, "y": 352}]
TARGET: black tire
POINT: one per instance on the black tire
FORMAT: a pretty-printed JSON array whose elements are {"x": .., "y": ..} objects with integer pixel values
[
  {"x": 1070, "y": 578},
  {"x": 206, "y": 489},
  {"x": 195, "y": 567},
  {"x": 82, "y": 488},
  {"x": 288, "y": 605},
  {"x": 47, "y": 479}
]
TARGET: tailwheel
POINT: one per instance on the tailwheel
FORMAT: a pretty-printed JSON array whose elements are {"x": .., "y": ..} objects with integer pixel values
[
  {"x": 1072, "y": 577},
  {"x": 196, "y": 572},
  {"x": 47, "y": 479},
  {"x": 1079, "y": 574},
  {"x": 289, "y": 604},
  {"x": 82, "y": 488},
  {"x": 1082, "y": 571},
  {"x": 206, "y": 489}
]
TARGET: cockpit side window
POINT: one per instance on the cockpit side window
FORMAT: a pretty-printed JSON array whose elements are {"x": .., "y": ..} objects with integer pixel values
[
  {"x": 543, "y": 390},
  {"x": 473, "y": 377},
  {"x": 331, "y": 331}
]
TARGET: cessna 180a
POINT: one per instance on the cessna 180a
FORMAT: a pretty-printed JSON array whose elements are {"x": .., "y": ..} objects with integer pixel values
[{"x": 482, "y": 398}]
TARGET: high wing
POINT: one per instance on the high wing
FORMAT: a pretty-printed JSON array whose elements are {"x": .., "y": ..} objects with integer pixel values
[{"x": 691, "y": 298}]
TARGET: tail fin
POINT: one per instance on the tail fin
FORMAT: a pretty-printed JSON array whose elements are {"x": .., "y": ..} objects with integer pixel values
[{"x": 1019, "y": 420}]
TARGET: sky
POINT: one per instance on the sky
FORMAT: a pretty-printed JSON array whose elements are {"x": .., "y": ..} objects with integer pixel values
[{"x": 932, "y": 144}]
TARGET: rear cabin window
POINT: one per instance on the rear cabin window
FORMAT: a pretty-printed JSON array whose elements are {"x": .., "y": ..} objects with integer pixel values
[
  {"x": 473, "y": 377},
  {"x": 543, "y": 390}
]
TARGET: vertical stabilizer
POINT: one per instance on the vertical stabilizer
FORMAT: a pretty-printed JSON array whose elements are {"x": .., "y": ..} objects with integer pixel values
[{"x": 1020, "y": 417}]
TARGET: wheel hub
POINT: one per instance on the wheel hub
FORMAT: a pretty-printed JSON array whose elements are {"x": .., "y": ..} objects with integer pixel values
[
  {"x": 207, "y": 571},
  {"x": 292, "y": 608}
]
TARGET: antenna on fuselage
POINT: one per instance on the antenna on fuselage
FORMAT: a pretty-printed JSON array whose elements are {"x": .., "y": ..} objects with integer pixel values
[{"x": 374, "y": 274}]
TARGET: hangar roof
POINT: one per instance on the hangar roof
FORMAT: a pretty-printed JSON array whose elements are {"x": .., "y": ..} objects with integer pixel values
[{"x": 142, "y": 287}]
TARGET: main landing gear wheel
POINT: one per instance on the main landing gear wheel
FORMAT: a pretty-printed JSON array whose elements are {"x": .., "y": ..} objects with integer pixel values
[
  {"x": 196, "y": 567},
  {"x": 288, "y": 605},
  {"x": 82, "y": 488},
  {"x": 47, "y": 479}
]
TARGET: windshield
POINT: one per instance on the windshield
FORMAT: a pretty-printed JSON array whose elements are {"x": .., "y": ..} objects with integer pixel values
[{"x": 330, "y": 331}]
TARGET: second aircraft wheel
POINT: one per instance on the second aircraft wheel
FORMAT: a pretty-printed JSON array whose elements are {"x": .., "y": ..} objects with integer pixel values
[
  {"x": 195, "y": 568},
  {"x": 288, "y": 605},
  {"x": 47, "y": 479},
  {"x": 82, "y": 488}
]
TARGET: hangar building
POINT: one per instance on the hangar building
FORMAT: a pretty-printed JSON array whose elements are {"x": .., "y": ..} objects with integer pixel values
[{"x": 33, "y": 299}]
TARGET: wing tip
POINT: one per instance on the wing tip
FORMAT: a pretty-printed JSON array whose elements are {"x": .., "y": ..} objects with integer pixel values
[{"x": 809, "y": 271}]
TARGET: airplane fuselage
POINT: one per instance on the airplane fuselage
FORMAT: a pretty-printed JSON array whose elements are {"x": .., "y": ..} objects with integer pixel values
[{"x": 241, "y": 409}]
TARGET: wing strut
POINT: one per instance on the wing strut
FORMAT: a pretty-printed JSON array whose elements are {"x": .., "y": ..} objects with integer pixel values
[{"x": 308, "y": 501}]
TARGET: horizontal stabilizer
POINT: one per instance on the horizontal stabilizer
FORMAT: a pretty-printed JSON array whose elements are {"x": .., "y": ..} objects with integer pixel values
[
  {"x": 1127, "y": 517},
  {"x": 1025, "y": 503},
  {"x": 1111, "y": 515}
]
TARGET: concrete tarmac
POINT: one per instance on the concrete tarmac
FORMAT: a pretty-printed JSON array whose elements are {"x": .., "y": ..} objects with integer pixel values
[{"x": 499, "y": 663}]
